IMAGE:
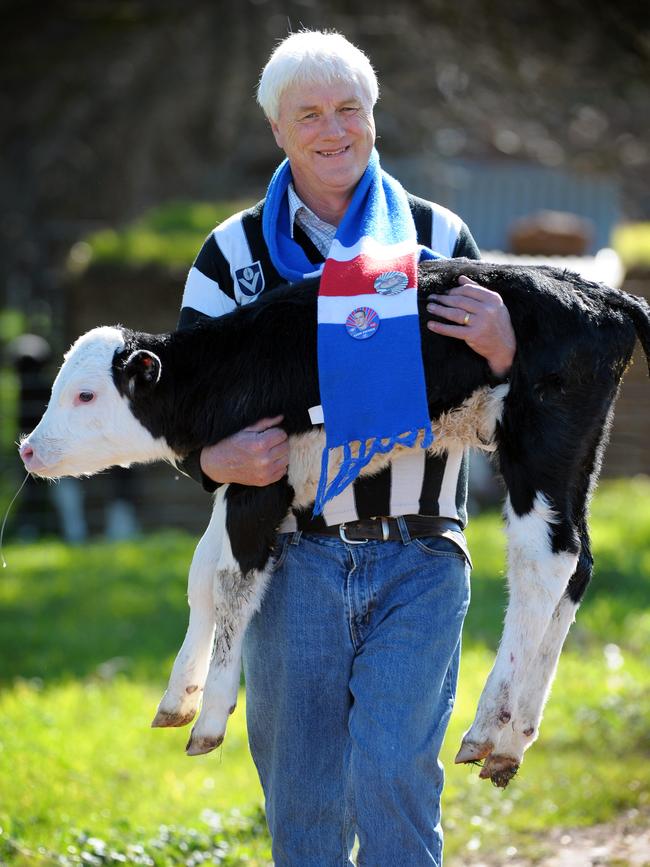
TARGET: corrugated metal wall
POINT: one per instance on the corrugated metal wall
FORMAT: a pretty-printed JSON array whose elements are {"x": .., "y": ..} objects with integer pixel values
[{"x": 490, "y": 195}]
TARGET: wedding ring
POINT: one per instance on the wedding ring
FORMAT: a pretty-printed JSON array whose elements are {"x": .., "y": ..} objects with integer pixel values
[{"x": 466, "y": 319}]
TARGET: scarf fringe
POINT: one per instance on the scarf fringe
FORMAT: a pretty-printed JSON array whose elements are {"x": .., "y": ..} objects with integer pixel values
[{"x": 353, "y": 463}]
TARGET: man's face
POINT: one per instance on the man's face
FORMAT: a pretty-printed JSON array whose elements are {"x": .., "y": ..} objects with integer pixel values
[
  {"x": 360, "y": 319},
  {"x": 327, "y": 131}
]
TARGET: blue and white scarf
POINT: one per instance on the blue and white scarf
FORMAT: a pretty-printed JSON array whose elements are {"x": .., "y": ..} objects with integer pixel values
[{"x": 370, "y": 369}]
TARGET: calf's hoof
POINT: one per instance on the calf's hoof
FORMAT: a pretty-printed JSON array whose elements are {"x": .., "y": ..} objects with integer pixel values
[
  {"x": 499, "y": 769},
  {"x": 166, "y": 720},
  {"x": 200, "y": 745},
  {"x": 472, "y": 752}
]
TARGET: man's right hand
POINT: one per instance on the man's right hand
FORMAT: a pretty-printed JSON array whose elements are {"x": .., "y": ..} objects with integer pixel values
[{"x": 257, "y": 455}]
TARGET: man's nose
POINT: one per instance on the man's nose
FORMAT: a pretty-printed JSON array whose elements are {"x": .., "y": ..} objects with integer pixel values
[{"x": 333, "y": 127}]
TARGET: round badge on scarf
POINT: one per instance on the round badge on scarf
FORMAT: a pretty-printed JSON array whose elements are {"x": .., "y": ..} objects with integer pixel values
[
  {"x": 391, "y": 283},
  {"x": 362, "y": 323}
]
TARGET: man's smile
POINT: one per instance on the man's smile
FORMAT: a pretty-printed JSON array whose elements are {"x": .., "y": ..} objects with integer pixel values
[{"x": 334, "y": 153}]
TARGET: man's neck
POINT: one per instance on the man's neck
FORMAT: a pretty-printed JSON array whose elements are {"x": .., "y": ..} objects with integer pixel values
[{"x": 330, "y": 208}]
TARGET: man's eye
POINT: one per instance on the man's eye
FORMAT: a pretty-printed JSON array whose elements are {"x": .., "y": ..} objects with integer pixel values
[{"x": 86, "y": 396}]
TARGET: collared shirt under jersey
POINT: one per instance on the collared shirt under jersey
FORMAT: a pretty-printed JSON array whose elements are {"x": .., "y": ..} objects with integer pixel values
[{"x": 317, "y": 230}]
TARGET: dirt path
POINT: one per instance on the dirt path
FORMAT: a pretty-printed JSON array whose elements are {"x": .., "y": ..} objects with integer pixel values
[{"x": 625, "y": 842}]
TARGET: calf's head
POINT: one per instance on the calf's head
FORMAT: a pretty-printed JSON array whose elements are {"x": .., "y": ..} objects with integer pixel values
[{"x": 89, "y": 424}]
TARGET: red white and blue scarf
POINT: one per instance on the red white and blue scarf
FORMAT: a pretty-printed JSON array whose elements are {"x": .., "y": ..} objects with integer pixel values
[{"x": 370, "y": 369}]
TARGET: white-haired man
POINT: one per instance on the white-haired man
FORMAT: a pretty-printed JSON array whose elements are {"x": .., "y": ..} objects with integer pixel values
[{"x": 351, "y": 665}]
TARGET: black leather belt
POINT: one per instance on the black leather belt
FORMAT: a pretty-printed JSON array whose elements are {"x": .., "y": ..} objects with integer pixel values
[{"x": 387, "y": 530}]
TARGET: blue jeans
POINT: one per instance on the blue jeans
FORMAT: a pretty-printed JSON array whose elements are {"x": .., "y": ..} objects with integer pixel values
[{"x": 351, "y": 668}]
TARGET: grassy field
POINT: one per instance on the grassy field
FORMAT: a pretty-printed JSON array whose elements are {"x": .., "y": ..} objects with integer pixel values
[{"x": 87, "y": 637}]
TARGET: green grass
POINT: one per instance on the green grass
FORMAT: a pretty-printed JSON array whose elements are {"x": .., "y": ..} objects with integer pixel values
[
  {"x": 79, "y": 761},
  {"x": 169, "y": 235},
  {"x": 87, "y": 637}
]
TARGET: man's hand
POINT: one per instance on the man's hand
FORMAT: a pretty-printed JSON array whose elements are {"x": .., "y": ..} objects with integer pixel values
[
  {"x": 257, "y": 455},
  {"x": 482, "y": 321}
]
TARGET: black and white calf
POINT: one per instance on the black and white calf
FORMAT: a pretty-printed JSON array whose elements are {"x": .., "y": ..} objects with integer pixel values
[{"x": 123, "y": 397}]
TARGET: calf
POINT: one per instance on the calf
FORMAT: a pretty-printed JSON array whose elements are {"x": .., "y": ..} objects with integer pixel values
[{"x": 123, "y": 397}]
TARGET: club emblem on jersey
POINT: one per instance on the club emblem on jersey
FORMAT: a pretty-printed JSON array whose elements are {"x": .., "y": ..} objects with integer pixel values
[{"x": 250, "y": 279}]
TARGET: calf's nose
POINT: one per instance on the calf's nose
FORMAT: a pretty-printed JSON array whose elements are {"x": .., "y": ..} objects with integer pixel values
[
  {"x": 26, "y": 453},
  {"x": 32, "y": 462}
]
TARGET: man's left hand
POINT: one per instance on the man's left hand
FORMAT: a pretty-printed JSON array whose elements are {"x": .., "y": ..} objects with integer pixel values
[{"x": 481, "y": 320}]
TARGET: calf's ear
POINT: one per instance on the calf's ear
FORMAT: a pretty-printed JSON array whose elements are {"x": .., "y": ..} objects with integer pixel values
[{"x": 142, "y": 370}]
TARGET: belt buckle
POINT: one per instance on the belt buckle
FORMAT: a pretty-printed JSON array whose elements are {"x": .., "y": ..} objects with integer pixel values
[{"x": 350, "y": 541}]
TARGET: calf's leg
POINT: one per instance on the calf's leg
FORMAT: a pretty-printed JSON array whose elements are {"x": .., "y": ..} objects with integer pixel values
[
  {"x": 524, "y": 727},
  {"x": 515, "y": 738},
  {"x": 251, "y": 521},
  {"x": 181, "y": 699},
  {"x": 237, "y": 597},
  {"x": 537, "y": 579},
  {"x": 556, "y": 449}
]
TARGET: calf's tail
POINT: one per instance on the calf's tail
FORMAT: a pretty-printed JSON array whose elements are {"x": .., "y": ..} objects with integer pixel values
[{"x": 638, "y": 310}]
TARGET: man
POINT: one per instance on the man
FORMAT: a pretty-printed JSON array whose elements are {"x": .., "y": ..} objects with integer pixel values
[{"x": 351, "y": 665}]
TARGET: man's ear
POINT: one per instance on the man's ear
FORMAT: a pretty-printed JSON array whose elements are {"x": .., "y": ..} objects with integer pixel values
[
  {"x": 275, "y": 129},
  {"x": 142, "y": 370}
]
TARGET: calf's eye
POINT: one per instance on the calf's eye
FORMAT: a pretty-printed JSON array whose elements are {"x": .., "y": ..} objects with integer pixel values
[{"x": 86, "y": 396}]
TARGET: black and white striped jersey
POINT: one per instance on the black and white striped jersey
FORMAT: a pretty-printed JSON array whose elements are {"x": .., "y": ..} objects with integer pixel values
[{"x": 234, "y": 267}]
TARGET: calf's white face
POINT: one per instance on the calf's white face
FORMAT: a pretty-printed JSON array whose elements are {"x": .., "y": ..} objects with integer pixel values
[{"x": 88, "y": 425}]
